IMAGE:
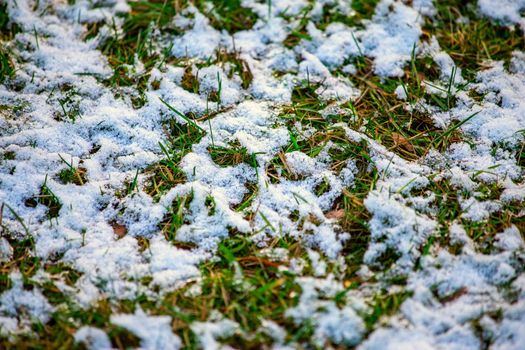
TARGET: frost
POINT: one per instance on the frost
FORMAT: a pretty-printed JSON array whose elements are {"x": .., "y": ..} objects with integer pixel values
[
  {"x": 202, "y": 33},
  {"x": 510, "y": 239}
]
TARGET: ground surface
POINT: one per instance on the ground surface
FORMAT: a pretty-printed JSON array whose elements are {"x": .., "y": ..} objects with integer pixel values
[{"x": 262, "y": 174}]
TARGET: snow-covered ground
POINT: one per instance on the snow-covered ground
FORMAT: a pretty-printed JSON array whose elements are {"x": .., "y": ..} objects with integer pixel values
[{"x": 115, "y": 144}]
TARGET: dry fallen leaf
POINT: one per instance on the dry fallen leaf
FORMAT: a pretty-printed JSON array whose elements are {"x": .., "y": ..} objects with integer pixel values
[
  {"x": 400, "y": 140},
  {"x": 119, "y": 230},
  {"x": 335, "y": 214}
]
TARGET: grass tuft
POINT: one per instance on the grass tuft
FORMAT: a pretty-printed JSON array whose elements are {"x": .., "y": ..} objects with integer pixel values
[
  {"x": 232, "y": 155},
  {"x": 46, "y": 198},
  {"x": 470, "y": 39}
]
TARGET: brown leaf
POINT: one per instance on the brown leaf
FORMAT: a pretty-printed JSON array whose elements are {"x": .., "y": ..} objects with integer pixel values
[
  {"x": 119, "y": 230},
  {"x": 451, "y": 297},
  {"x": 335, "y": 214},
  {"x": 400, "y": 140}
]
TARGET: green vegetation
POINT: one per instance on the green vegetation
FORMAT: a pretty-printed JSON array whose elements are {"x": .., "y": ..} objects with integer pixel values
[
  {"x": 72, "y": 174},
  {"x": 473, "y": 40},
  {"x": 175, "y": 217},
  {"x": 7, "y": 69},
  {"x": 227, "y": 15},
  {"x": 46, "y": 198},
  {"x": 362, "y": 10},
  {"x": 134, "y": 42},
  {"x": 449, "y": 211},
  {"x": 233, "y": 155},
  {"x": 385, "y": 304}
]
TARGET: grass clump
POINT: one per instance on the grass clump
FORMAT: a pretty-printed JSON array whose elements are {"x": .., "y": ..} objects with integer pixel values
[
  {"x": 306, "y": 105},
  {"x": 249, "y": 196},
  {"x": 385, "y": 304},
  {"x": 167, "y": 174},
  {"x": 174, "y": 219},
  {"x": 278, "y": 168},
  {"x": 23, "y": 260},
  {"x": 471, "y": 40},
  {"x": 231, "y": 156},
  {"x": 404, "y": 127},
  {"x": 46, "y": 198},
  {"x": 227, "y": 15},
  {"x": 135, "y": 42},
  {"x": 190, "y": 82},
  {"x": 240, "y": 284},
  {"x": 7, "y": 67},
  {"x": 237, "y": 66},
  {"x": 331, "y": 13},
  {"x": 71, "y": 174},
  {"x": 69, "y": 104},
  {"x": 232, "y": 64},
  {"x": 362, "y": 10},
  {"x": 355, "y": 220},
  {"x": 8, "y": 30},
  {"x": 447, "y": 210}
]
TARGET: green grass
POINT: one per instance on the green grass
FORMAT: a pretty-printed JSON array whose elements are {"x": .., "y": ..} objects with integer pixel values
[
  {"x": 23, "y": 260},
  {"x": 384, "y": 304},
  {"x": 47, "y": 198},
  {"x": 448, "y": 211},
  {"x": 471, "y": 44},
  {"x": 362, "y": 10},
  {"x": 7, "y": 30},
  {"x": 135, "y": 42},
  {"x": 409, "y": 133},
  {"x": 73, "y": 175},
  {"x": 174, "y": 219},
  {"x": 227, "y": 15},
  {"x": 233, "y": 155},
  {"x": 266, "y": 294},
  {"x": 7, "y": 68},
  {"x": 167, "y": 174},
  {"x": 263, "y": 293}
]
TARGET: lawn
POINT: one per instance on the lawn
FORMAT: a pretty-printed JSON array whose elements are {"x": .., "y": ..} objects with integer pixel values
[{"x": 262, "y": 174}]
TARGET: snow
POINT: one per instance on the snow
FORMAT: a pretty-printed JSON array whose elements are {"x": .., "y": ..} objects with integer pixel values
[
  {"x": 154, "y": 331},
  {"x": 341, "y": 326},
  {"x": 93, "y": 338},
  {"x": 115, "y": 143},
  {"x": 22, "y": 307},
  {"x": 504, "y": 11},
  {"x": 210, "y": 332}
]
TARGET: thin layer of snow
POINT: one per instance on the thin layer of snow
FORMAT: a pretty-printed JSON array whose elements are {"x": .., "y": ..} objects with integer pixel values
[
  {"x": 114, "y": 142},
  {"x": 93, "y": 338},
  {"x": 154, "y": 331},
  {"x": 22, "y": 307}
]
